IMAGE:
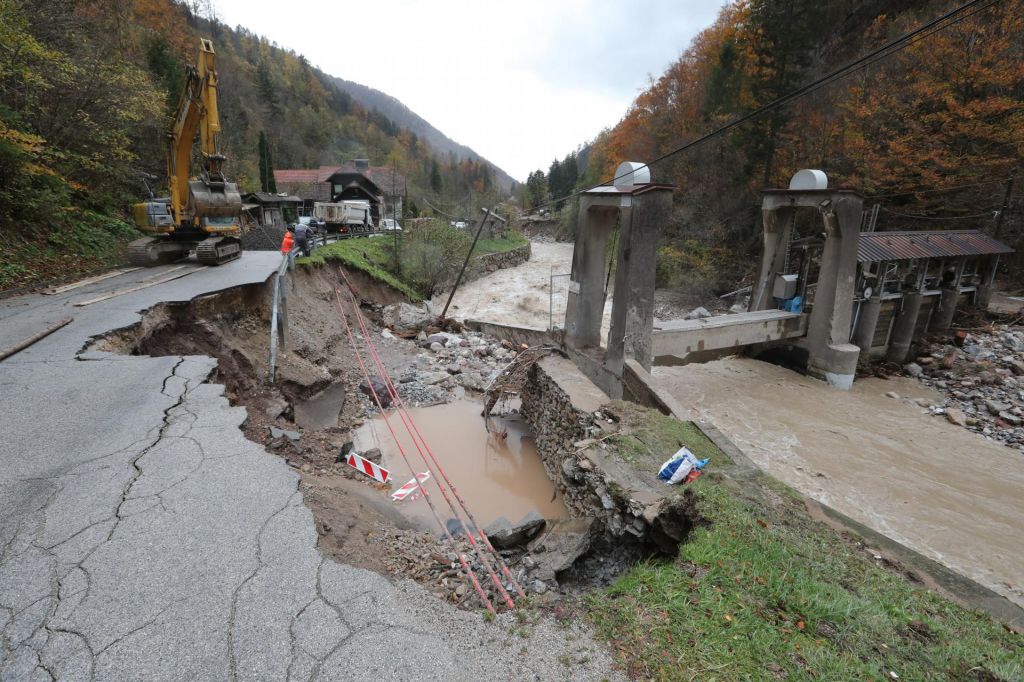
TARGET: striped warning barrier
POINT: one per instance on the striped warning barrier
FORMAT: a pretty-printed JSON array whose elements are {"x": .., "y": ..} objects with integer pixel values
[
  {"x": 365, "y": 466},
  {"x": 410, "y": 487}
]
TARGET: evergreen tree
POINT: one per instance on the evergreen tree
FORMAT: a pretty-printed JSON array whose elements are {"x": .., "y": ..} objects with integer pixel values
[
  {"x": 266, "y": 166},
  {"x": 265, "y": 87},
  {"x": 536, "y": 188},
  {"x": 435, "y": 176}
]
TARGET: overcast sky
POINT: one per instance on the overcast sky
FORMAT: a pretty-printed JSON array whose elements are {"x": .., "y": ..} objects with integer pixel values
[{"x": 521, "y": 82}]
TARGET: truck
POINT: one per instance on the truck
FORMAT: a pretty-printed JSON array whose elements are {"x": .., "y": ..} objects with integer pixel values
[{"x": 350, "y": 216}]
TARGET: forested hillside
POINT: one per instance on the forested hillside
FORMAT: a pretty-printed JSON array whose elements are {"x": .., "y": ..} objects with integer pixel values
[
  {"x": 86, "y": 90},
  {"x": 931, "y": 133}
]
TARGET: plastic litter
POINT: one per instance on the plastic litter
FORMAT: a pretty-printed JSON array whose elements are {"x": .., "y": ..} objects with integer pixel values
[{"x": 680, "y": 466}]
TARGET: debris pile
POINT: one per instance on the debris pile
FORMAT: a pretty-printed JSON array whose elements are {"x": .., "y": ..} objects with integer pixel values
[{"x": 982, "y": 380}]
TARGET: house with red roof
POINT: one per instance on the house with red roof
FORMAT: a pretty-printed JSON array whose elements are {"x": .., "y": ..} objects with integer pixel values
[{"x": 383, "y": 186}]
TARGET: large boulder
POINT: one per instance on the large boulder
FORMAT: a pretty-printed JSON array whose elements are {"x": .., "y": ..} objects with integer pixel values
[
  {"x": 561, "y": 544},
  {"x": 406, "y": 315},
  {"x": 504, "y": 534},
  {"x": 378, "y": 387}
]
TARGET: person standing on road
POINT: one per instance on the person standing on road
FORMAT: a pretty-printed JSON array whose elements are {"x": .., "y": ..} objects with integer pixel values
[
  {"x": 288, "y": 242},
  {"x": 302, "y": 237}
]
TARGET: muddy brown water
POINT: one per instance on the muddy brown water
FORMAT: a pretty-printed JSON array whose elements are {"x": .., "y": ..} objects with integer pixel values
[
  {"x": 497, "y": 477},
  {"x": 942, "y": 490}
]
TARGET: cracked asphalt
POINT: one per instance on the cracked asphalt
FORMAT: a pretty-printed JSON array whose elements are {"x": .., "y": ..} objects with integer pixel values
[{"x": 142, "y": 537}]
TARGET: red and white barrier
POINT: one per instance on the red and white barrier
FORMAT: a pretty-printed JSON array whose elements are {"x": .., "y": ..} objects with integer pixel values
[
  {"x": 409, "y": 488},
  {"x": 365, "y": 466}
]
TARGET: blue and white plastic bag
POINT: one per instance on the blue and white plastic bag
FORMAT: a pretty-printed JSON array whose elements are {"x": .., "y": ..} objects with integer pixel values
[{"x": 676, "y": 468}]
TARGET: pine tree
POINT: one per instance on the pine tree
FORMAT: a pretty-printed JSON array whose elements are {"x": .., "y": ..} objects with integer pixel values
[
  {"x": 266, "y": 164},
  {"x": 435, "y": 176}
]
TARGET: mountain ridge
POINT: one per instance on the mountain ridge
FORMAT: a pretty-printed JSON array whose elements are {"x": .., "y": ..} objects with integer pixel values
[{"x": 403, "y": 116}]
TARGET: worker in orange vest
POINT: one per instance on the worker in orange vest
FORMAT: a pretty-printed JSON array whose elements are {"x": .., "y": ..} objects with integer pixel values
[{"x": 288, "y": 242}]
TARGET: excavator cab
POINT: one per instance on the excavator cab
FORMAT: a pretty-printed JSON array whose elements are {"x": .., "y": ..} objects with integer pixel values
[{"x": 202, "y": 213}]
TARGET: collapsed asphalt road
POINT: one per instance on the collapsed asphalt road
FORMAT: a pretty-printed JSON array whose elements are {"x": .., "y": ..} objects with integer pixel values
[{"x": 143, "y": 537}]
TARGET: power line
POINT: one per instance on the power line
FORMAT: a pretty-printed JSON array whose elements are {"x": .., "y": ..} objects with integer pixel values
[
  {"x": 920, "y": 33},
  {"x": 939, "y": 190},
  {"x": 986, "y": 214}
]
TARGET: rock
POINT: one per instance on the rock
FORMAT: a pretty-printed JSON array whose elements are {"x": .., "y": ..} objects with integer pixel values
[
  {"x": 454, "y": 369},
  {"x": 529, "y": 561},
  {"x": 471, "y": 381},
  {"x": 1017, "y": 367},
  {"x": 913, "y": 369},
  {"x": 431, "y": 378},
  {"x": 1010, "y": 418},
  {"x": 995, "y": 407},
  {"x": 421, "y": 337},
  {"x": 697, "y": 314},
  {"x": 538, "y": 587},
  {"x": 562, "y": 542},
  {"x": 923, "y": 402},
  {"x": 405, "y": 315},
  {"x": 892, "y": 394},
  {"x": 386, "y": 333},
  {"x": 274, "y": 407},
  {"x": 307, "y": 468},
  {"x": 290, "y": 435},
  {"x": 504, "y": 535},
  {"x": 374, "y": 455},
  {"x": 737, "y": 308},
  {"x": 955, "y": 416},
  {"x": 375, "y": 385}
]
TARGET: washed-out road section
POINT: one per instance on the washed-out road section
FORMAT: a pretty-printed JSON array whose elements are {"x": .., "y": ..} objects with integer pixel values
[{"x": 142, "y": 537}]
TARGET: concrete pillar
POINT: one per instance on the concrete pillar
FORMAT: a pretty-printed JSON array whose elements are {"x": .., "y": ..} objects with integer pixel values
[
  {"x": 867, "y": 322},
  {"x": 982, "y": 297},
  {"x": 632, "y": 322},
  {"x": 831, "y": 356},
  {"x": 903, "y": 328},
  {"x": 942, "y": 318},
  {"x": 778, "y": 225},
  {"x": 585, "y": 306}
]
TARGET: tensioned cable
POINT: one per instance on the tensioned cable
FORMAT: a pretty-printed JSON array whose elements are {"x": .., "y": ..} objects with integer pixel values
[{"x": 920, "y": 33}]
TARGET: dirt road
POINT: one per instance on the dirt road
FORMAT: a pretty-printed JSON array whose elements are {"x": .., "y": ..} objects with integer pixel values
[{"x": 950, "y": 494}]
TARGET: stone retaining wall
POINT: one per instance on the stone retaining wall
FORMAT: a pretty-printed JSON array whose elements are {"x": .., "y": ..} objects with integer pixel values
[
  {"x": 564, "y": 410},
  {"x": 488, "y": 263}
]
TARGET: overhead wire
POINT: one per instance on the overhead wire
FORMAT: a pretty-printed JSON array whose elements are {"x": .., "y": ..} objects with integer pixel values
[
  {"x": 414, "y": 432},
  {"x": 418, "y": 439},
  {"x": 986, "y": 214},
  {"x": 922, "y": 32},
  {"x": 470, "y": 575},
  {"x": 939, "y": 190}
]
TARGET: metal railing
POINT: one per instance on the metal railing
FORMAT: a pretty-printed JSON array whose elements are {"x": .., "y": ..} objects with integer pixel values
[{"x": 279, "y": 308}]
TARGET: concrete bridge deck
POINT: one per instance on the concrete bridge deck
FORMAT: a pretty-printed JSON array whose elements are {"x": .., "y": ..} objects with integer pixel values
[{"x": 682, "y": 338}]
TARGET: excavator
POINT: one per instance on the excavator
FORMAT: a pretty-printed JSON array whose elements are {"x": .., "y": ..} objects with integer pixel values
[{"x": 202, "y": 213}]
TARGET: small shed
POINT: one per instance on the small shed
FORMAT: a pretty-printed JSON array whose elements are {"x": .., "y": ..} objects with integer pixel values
[{"x": 265, "y": 217}]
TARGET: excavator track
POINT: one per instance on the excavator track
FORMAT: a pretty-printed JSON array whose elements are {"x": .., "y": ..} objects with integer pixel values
[
  {"x": 218, "y": 250},
  {"x": 150, "y": 251}
]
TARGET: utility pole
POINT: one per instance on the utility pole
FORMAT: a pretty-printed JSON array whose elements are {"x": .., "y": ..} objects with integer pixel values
[
  {"x": 479, "y": 229},
  {"x": 1006, "y": 204},
  {"x": 394, "y": 217}
]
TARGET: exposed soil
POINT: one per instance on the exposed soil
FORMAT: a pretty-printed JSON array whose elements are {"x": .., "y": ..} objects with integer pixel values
[{"x": 355, "y": 520}]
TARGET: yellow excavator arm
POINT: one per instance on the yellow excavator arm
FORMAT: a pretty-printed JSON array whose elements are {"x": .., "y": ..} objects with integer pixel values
[{"x": 198, "y": 208}]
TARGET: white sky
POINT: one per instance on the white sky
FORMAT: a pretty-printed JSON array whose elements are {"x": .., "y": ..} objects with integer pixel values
[{"x": 520, "y": 81}]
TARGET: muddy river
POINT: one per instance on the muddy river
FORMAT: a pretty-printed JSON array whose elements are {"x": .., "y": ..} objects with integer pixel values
[
  {"x": 520, "y": 295},
  {"x": 496, "y": 476},
  {"x": 948, "y": 493}
]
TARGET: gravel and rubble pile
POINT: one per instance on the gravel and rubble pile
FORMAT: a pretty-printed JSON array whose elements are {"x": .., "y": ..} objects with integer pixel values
[
  {"x": 433, "y": 561},
  {"x": 446, "y": 366},
  {"x": 982, "y": 381}
]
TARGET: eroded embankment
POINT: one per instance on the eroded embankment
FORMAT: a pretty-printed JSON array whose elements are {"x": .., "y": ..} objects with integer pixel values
[{"x": 318, "y": 375}]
